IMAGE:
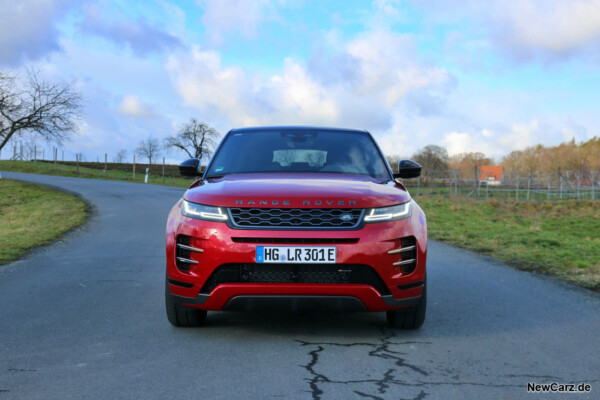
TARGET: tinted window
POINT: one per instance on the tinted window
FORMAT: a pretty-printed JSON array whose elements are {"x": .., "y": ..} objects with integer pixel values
[{"x": 299, "y": 151}]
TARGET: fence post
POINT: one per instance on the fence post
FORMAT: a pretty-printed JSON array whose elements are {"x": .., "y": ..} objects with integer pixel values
[
  {"x": 163, "y": 171},
  {"x": 134, "y": 167},
  {"x": 518, "y": 183},
  {"x": 105, "y": 162},
  {"x": 549, "y": 176},
  {"x": 77, "y": 157},
  {"x": 593, "y": 174},
  {"x": 43, "y": 153},
  {"x": 63, "y": 156},
  {"x": 578, "y": 176},
  {"x": 455, "y": 182},
  {"x": 559, "y": 178},
  {"x": 529, "y": 178},
  {"x": 35, "y": 155}
]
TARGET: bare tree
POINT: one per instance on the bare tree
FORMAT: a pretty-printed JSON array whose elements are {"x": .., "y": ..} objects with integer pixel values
[
  {"x": 432, "y": 158},
  {"x": 393, "y": 160},
  {"x": 196, "y": 136},
  {"x": 47, "y": 109},
  {"x": 121, "y": 156},
  {"x": 149, "y": 148}
]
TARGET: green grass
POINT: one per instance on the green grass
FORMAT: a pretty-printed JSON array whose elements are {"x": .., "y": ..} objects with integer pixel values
[
  {"x": 117, "y": 172},
  {"x": 33, "y": 215},
  {"x": 561, "y": 239}
]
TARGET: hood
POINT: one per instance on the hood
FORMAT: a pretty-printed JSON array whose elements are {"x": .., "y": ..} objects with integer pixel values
[{"x": 297, "y": 190}]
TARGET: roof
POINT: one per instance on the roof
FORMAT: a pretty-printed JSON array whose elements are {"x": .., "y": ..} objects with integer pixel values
[
  {"x": 296, "y": 128},
  {"x": 496, "y": 172}
]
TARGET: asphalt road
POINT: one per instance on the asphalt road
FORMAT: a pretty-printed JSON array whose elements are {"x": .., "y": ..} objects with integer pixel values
[{"x": 84, "y": 318}]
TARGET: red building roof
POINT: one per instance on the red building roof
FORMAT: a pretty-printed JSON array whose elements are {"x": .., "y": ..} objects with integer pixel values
[{"x": 491, "y": 172}]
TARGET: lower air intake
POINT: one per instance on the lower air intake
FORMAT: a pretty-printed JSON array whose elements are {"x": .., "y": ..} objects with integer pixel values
[{"x": 295, "y": 273}]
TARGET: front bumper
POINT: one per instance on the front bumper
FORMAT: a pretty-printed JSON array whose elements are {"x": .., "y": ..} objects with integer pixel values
[{"x": 216, "y": 240}]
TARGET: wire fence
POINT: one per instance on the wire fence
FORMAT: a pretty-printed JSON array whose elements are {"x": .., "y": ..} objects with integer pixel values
[
  {"x": 559, "y": 185},
  {"x": 534, "y": 185}
]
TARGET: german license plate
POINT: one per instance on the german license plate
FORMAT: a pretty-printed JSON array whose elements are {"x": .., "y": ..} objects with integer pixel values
[{"x": 296, "y": 254}]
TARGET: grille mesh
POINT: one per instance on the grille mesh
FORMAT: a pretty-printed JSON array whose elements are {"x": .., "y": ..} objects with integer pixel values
[
  {"x": 296, "y": 217},
  {"x": 295, "y": 273}
]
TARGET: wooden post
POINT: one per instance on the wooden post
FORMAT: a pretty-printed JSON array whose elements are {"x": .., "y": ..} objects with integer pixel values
[
  {"x": 528, "y": 184},
  {"x": 593, "y": 174},
  {"x": 549, "y": 186},
  {"x": 134, "y": 167},
  {"x": 55, "y": 157},
  {"x": 163, "y": 170},
  {"x": 77, "y": 157},
  {"x": 105, "y": 161},
  {"x": 518, "y": 183},
  {"x": 560, "y": 183},
  {"x": 34, "y": 155},
  {"x": 43, "y": 153},
  {"x": 455, "y": 182}
]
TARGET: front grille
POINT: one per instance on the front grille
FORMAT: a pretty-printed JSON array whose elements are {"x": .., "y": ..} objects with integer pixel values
[
  {"x": 294, "y": 240},
  {"x": 295, "y": 273},
  {"x": 307, "y": 218}
]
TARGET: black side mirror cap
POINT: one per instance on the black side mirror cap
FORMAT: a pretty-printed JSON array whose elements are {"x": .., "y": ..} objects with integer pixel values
[
  {"x": 408, "y": 169},
  {"x": 190, "y": 168}
]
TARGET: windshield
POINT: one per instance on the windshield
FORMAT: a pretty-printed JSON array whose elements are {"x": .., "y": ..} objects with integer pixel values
[{"x": 299, "y": 151}]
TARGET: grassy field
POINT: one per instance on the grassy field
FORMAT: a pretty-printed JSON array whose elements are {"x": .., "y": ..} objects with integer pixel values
[
  {"x": 118, "y": 172},
  {"x": 32, "y": 215},
  {"x": 561, "y": 239}
]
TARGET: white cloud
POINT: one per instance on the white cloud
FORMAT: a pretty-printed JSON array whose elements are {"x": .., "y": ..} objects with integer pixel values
[
  {"x": 465, "y": 142},
  {"x": 224, "y": 17},
  {"x": 551, "y": 30},
  {"x": 358, "y": 83},
  {"x": 522, "y": 135},
  {"x": 553, "y": 26},
  {"x": 133, "y": 106},
  {"x": 27, "y": 29}
]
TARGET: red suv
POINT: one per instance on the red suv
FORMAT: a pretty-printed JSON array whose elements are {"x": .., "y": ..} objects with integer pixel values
[{"x": 297, "y": 218}]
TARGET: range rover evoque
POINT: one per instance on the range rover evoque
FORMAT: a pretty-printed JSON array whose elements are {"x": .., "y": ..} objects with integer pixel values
[{"x": 301, "y": 218}]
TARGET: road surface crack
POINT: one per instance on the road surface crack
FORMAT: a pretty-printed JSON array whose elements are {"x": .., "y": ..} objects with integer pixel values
[{"x": 380, "y": 349}]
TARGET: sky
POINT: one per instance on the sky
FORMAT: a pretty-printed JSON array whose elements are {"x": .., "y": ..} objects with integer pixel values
[{"x": 489, "y": 76}]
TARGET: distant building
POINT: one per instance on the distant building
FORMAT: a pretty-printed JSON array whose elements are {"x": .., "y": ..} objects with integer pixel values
[{"x": 492, "y": 175}]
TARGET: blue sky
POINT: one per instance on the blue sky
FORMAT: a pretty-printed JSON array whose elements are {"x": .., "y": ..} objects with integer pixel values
[{"x": 491, "y": 76}]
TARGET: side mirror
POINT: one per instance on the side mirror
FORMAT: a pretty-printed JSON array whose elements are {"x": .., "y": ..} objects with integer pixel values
[
  {"x": 190, "y": 167},
  {"x": 408, "y": 169}
]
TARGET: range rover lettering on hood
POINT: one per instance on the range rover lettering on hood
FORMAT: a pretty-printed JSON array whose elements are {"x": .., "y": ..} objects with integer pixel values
[{"x": 287, "y": 202}]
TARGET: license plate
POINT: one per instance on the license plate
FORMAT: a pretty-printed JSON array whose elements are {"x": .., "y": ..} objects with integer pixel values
[{"x": 295, "y": 255}]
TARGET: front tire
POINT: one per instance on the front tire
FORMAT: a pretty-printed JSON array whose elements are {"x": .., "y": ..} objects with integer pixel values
[
  {"x": 182, "y": 316},
  {"x": 412, "y": 318}
]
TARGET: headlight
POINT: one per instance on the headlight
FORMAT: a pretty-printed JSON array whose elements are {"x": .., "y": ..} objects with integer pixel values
[
  {"x": 392, "y": 213},
  {"x": 200, "y": 211}
]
